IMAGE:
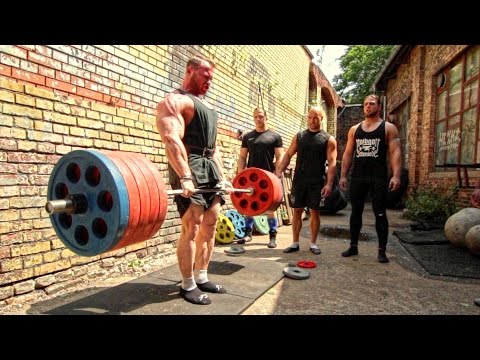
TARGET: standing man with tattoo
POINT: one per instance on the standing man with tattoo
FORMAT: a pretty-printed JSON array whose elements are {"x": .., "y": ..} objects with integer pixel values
[{"x": 368, "y": 143}]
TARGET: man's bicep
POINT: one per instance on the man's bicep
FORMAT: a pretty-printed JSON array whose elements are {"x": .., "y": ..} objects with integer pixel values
[{"x": 350, "y": 141}]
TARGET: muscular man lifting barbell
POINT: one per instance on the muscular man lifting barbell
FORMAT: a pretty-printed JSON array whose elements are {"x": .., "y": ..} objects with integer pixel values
[
  {"x": 188, "y": 127},
  {"x": 101, "y": 201}
]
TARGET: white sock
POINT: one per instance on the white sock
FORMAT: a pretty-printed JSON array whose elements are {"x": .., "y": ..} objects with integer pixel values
[
  {"x": 294, "y": 245},
  {"x": 188, "y": 284},
  {"x": 201, "y": 276},
  {"x": 313, "y": 246}
]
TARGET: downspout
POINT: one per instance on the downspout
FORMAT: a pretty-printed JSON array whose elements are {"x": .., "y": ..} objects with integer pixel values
[{"x": 384, "y": 107}]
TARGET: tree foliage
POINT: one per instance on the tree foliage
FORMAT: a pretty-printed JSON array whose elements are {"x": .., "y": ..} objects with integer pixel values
[{"x": 360, "y": 66}]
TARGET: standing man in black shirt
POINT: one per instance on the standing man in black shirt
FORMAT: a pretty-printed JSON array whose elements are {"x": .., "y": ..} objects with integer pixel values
[
  {"x": 313, "y": 146},
  {"x": 261, "y": 146},
  {"x": 368, "y": 142},
  {"x": 188, "y": 127}
]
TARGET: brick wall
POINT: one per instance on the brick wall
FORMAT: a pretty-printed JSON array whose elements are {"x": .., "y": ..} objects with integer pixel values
[
  {"x": 415, "y": 79},
  {"x": 349, "y": 116},
  {"x": 58, "y": 98}
]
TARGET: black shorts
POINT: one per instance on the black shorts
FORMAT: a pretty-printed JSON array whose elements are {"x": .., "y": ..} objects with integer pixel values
[
  {"x": 306, "y": 195},
  {"x": 206, "y": 200}
]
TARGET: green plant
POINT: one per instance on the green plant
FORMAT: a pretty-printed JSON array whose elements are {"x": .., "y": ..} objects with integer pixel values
[{"x": 431, "y": 204}]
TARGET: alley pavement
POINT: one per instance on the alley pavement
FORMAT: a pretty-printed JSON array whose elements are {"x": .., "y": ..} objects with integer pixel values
[{"x": 358, "y": 285}]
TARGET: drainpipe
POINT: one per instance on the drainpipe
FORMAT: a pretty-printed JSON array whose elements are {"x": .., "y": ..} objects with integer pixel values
[{"x": 384, "y": 107}]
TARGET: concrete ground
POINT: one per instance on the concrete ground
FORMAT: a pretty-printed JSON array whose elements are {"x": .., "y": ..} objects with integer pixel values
[
  {"x": 360, "y": 285},
  {"x": 357, "y": 285}
]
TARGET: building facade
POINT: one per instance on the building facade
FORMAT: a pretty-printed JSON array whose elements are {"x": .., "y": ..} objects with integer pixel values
[{"x": 432, "y": 95}]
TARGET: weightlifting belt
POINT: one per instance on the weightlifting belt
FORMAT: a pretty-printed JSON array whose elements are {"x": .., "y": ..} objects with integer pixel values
[{"x": 204, "y": 152}]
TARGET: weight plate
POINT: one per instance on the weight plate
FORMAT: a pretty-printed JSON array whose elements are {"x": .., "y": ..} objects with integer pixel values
[
  {"x": 296, "y": 273},
  {"x": 235, "y": 250},
  {"x": 102, "y": 225},
  {"x": 307, "y": 264},
  {"x": 224, "y": 232},
  {"x": 154, "y": 199},
  {"x": 162, "y": 191},
  {"x": 238, "y": 222},
  {"x": 267, "y": 194},
  {"x": 138, "y": 234},
  {"x": 133, "y": 197},
  {"x": 261, "y": 224}
]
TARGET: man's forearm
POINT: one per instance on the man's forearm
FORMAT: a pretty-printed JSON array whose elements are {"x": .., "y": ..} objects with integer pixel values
[
  {"x": 177, "y": 157},
  {"x": 283, "y": 164},
  {"x": 241, "y": 164},
  {"x": 396, "y": 163},
  {"x": 332, "y": 169},
  {"x": 346, "y": 162}
]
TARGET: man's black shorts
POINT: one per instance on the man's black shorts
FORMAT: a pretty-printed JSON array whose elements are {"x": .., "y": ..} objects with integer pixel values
[
  {"x": 306, "y": 195},
  {"x": 199, "y": 199}
]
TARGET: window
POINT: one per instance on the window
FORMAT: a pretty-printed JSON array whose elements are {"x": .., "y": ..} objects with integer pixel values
[{"x": 457, "y": 111}]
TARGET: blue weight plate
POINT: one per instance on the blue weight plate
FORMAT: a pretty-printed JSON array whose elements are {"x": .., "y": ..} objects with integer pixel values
[
  {"x": 238, "y": 222},
  {"x": 94, "y": 175}
]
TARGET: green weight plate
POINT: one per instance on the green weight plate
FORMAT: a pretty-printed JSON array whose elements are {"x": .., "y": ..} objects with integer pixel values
[
  {"x": 296, "y": 273},
  {"x": 261, "y": 224}
]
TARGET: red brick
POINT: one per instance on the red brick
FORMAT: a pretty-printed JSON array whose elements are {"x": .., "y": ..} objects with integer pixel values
[
  {"x": 55, "y": 84},
  {"x": 90, "y": 94},
  {"x": 5, "y": 70},
  {"x": 28, "y": 76}
]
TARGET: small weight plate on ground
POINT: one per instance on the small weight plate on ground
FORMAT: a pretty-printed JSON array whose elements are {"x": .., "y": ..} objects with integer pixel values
[
  {"x": 307, "y": 264},
  {"x": 261, "y": 224},
  {"x": 296, "y": 273},
  {"x": 235, "y": 250}
]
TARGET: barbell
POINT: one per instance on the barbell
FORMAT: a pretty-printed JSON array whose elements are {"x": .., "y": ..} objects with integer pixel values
[{"x": 100, "y": 201}]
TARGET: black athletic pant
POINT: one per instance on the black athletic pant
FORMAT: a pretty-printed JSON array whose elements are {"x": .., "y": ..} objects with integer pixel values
[{"x": 358, "y": 192}]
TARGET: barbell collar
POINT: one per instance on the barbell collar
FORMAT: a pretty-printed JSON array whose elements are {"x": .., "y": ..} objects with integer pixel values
[{"x": 72, "y": 204}]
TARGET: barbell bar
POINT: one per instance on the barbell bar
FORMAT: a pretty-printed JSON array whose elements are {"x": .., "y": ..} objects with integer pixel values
[
  {"x": 75, "y": 203},
  {"x": 100, "y": 201}
]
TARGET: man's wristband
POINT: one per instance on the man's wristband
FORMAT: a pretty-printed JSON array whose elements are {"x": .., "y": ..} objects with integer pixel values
[{"x": 186, "y": 178}]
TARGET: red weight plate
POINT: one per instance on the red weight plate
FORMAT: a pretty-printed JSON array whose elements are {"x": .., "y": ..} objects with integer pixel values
[
  {"x": 162, "y": 194},
  {"x": 133, "y": 196},
  {"x": 307, "y": 264},
  {"x": 145, "y": 199},
  {"x": 266, "y": 196},
  {"x": 154, "y": 197}
]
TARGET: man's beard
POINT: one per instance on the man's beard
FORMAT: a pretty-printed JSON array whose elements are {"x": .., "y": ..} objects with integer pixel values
[{"x": 372, "y": 114}]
